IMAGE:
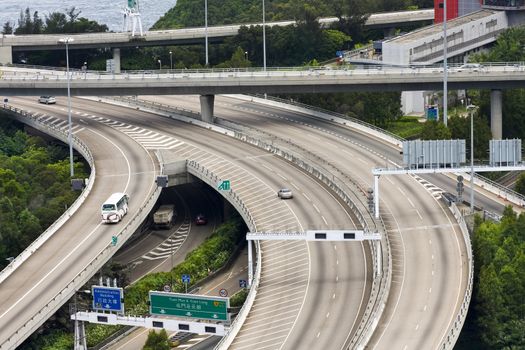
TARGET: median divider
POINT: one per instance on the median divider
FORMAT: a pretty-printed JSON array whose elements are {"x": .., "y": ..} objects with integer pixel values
[{"x": 354, "y": 197}]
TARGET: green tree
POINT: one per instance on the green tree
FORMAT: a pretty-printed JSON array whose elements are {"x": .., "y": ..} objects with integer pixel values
[
  {"x": 434, "y": 130},
  {"x": 7, "y": 28},
  {"x": 157, "y": 340},
  {"x": 520, "y": 184}
]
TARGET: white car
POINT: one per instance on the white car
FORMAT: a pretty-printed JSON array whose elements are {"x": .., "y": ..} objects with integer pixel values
[
  {"x": 285, "y": 193},
  {"x": 47, "y": 99},
  {"x": 472, "y": 67}
]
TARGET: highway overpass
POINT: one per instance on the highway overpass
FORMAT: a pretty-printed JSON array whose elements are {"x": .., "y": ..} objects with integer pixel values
[
  {"x": 9, "y": 43},
  {"x": 116, "y": 132},
  {"x": 207, "y": 83}
]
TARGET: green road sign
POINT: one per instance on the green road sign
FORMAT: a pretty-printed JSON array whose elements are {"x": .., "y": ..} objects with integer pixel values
[
  {"x": 189, "y": 305},
  {"x": 224, "y": 185}
]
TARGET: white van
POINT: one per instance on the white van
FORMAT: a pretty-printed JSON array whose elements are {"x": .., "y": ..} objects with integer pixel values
[{"x": 114, "y": 208}]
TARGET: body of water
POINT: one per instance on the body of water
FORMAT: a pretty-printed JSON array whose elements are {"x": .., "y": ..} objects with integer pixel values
[{"x": 103, "y": 11}]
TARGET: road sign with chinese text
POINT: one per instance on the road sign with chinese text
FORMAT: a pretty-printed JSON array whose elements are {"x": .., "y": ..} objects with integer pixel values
[{"x": 188, "y": 305}]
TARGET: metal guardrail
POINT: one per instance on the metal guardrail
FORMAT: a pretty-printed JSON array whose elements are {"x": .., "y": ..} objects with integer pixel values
[
  {"x": 83, "y": 276},
  {"x": 44, "y": 72},
  {"x": 211, "y": 179},
  {"x": 381, "y": 281},
  {"x": 28, "y": 119},
  {"x": 355, "y": 198},
  {"x": 452, "y": 335}
]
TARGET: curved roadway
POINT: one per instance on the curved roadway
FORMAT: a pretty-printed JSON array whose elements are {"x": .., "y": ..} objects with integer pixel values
[
  {"x": 303, "y": 285},
  {"x": 121, "y": 165},
  {"x": 429, "y": 260}
]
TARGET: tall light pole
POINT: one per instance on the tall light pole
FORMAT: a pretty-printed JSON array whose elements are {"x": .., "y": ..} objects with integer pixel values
[
  {"x": 264, "y": 35},
  {"x": 171, "y": 60},
  {"x": 206, "y": 29},
  {"x": 445, "y": 68},
  {"x": 471, "y": 109},
  {"x": 160, "y": 64},
  {"x": 66, "y": 41}
]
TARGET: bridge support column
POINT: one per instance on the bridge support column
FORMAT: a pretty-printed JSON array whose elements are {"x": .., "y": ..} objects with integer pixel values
[
  {"x": 6, "y": 54},
  {"x": 116, "y": 59},
  {"x": 207, "y": 108},
  {"x": 496, "y": 114}
]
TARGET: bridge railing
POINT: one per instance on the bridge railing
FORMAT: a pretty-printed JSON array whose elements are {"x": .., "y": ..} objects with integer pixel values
[
  {"x": 382, "y": 273},
  {"x": 353, "y": 193},
  {"x": 85, "y": 274},
  {"x": 212, "y": 179},
  {"x": 62, "y": 135},
  {"x": 16, "y": 72},
  {"x": 449, "y": 340}
]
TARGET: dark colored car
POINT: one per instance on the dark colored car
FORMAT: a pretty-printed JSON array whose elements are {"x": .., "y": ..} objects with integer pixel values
[{"x": 200, "y": 220}]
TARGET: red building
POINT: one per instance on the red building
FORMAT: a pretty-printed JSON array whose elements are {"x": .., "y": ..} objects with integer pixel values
[
  {"x": 452, "y": 10},
  {"x": 455, "y": 8}
]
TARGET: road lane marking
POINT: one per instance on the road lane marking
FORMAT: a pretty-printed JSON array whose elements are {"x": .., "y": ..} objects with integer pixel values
[
  {"x": 410, "y": 202},
  {"x": 324, "y": 219},
  {"x": 85, "y": 238}
]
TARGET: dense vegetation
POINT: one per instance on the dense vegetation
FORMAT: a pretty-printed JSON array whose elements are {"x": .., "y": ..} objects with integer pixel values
[
  {"x": 190, "y": 13},
  {"x": 34, "y": 186},
  {"x": 497, "y": 307},
  {"x": 199, "y": 263},
  {"x": 510, "y": 47}
]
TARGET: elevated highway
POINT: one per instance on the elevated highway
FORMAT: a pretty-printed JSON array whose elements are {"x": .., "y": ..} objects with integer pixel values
[
  {"x": 185, "y": 35},
  {"x": 20, "y": 82},
  {"x": 293, "y": 272}
]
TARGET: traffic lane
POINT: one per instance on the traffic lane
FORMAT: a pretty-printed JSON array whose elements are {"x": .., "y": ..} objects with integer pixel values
[
  {"x": 362, "y": 270},
  {"x": 389, "y": 152},
  {"x": 72, "y": 235},
  {"x": 334, "y": 221},
  {"x": 295, "y": 135},
  {"x": 216, "y": 149},
  {"x": 333, "y": 282},
  {"x": 432, "y": 254}
]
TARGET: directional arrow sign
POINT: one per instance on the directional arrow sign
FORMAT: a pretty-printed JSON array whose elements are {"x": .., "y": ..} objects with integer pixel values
[
  {"x": 189, "y": 305},
  {"x": 224, "y": 185}
]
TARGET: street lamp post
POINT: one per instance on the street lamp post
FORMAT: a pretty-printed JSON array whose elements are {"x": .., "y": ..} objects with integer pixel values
[
  {"x": 471, "y": 109},
  {"x": 160, "y": 64},
  {"x": 445, "y": 66},
  {"x": 171, "y": 60},
  {"x": 264, "y": 35},
  {"x": 66, "y": 41},
  {"x": 206, "y": 29},
  {"x": 246, "y": 55}
]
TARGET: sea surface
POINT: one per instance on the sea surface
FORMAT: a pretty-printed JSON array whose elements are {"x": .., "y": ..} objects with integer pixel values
[{"x": 108, "y": 12}]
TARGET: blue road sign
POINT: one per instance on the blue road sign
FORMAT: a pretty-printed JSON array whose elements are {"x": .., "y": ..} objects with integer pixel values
[
  {"x": 107, "y": 298},
  {"x": 186, "y": 279},
  {"x": 243, "y": 283}
]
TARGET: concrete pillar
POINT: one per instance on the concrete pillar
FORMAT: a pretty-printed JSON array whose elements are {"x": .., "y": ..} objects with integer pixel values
[
  {"x": 116, "y": 59},
  {"x": 6, "y": 54},
  {"x": 207, "y": 108},
  {"x": 496, "y": 114}
]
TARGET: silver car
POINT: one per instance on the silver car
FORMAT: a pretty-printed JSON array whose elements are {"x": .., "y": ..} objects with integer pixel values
[
  {"x": 47, "y": 99},
  {"x": 285, "y": 193}
]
